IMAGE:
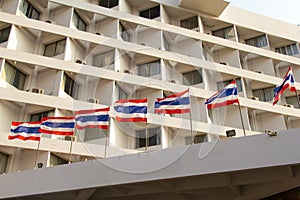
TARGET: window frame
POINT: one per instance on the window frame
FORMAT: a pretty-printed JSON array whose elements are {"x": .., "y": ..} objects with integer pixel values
[
  {"x": 256, "y": 42},
  {"x": 56, "y": 51},
  {"x": 78, "y": 20},
  {"x": 4, "y": 158},
  {"x": 7, "y": 32},
  {"x": 28, "y": 10},
  {"x": 34, "y": 117},
  {"x": 124, "y": 33},
  {"x": 264, "y": 94},
  {"x": 185, "y": 80},
  {"x": 224, "y": 32},
  {"x": 21, "y": 76},
  {"x": 189, "y": 22},
  {"x": 153, "y": 139},
  {"x": 285, "y": 49},
  {"x": 150, "y": 13},
  {"x": 103, "y": 60},
  {"x": 147, "y": 68},
  {"x": 73, "y": 87},
  {"x": 110, "y": 3}
]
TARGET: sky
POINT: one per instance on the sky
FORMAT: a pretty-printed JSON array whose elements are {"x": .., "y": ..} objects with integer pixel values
[{"x": 284, "y": 10}]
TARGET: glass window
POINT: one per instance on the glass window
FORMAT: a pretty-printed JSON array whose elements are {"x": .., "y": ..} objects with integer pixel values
[
  {"x": 29, "y": 10},
  {"x": 108, "y": 3},
  {"x": 71, "y": 87},
  {"x": 149, "y": 69},
  {"x": 288, "y": 50},
  {"x": 14, "y": 76},
  {"x": 4, "y": 34},
  {"x": 152, "y": 140},
  {"x": 265, "y": 94},
  {"x": 151, "y": 13},
  {"x": 222, "y": 84},
  {"x": 3, "y": 162},
  {"x": 225, "y": 33},
  {"x": 94, "y": 133},
  {"x": 192, "y": 77},
  {"x": 189, "y": 23},
  {"x": 78, "y": 22},
  {"x": 292, "y": 101},
  {"x": 124, "y": 33},
  {"x": 56, "y": 160},
  {"x": 260, "y": 41},
  {"x": 38, "y": 116},
  {"x": 166, "y": 44},
  {"x": 104, "y": 59},
  {"x": 197, "y": 139},
  {"x": 121, "y": 94},
  {"x": 55, "y": 48}
]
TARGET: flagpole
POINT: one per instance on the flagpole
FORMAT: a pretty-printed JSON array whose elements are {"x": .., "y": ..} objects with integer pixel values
[
  {"x": 70, "y": 155},
  {"x": 37, "y": 153},
  {"x": 191, "y": 124},
  {"x": 146, "y": 145},
  {"x": 242, "y": 118},
  {"x": 106, "y": 139}
]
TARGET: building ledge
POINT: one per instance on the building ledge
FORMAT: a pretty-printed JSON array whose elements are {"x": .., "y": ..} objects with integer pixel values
[{"x": 211, "y": 7}]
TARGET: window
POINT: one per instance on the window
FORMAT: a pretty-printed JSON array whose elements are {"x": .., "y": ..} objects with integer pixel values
[
  {"x": 225, "y": 33},
  {"x": 78, "y": 22},
  {"x": 124, "y": 33},
  {"x": 55, "y": 48},
  {"x": 121, "y": 94},
  {"x": 292, "y": 101},
  {"x": 260, "y": 41},
  {"x": 14, "y": 76},
  {"x": 94, "y": 133},
  {"x": 192, "y": 77},
  {"x": 288, "y": 50},
  {"x": 71, "y": 87},
  {"x": 222, "y": 84},
  {"x": 166, "y": 44},
  {"x": 108, "y": 3},
  {"x": 189, "y": 23},
  {"x": 265, "y": 94},
  {"x": 38, "y": 116},
  {"x": 152, "y": 140},
  {"x": 151, "y": 13},
  {"x": 29, "y": 10},
  {"x": 197, "y": 139},
  {"x": 104, "y": 59},
  {"x": 55, "y": 160},
  {"x": 3, "y": 162},
  {"x": 149, "y": 69},
  {"x": 4, "y": 34}
]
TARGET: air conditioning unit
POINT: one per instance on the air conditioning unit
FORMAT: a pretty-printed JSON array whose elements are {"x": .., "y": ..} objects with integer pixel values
[
  {"x": 172, "y": 81},
  {"x": 143, "y": 44},
  {"x": 96, "y": 101},
  {"x": 223, "y": 63},
  {"x": 37, "y": 90},
  {"x": 97, "y": 33},
  {"x": 254, "y": 98},
  {"x": 257, "y": 71},
  {"x": 49, "y": 21},
  {"x": 127, "y": 71},
  {"x": 289, "y": 105},
  {"x": 79, "y": 61}
]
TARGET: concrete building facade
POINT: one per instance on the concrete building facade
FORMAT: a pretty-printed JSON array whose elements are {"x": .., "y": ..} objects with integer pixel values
[{"x": 60, "y": 56}]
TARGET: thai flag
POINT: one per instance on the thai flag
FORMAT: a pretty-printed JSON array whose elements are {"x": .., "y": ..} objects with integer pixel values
[
  {"x": 131, "y": 110},
  {"x": 227, "y": 96},
  {"x": 288, "y": 82},
  {"x": 177, "y": 103},
  {"x": 25, "y": 131},
  {"x": 58, "y": 125},
  {"x": 98, "y": 118}
]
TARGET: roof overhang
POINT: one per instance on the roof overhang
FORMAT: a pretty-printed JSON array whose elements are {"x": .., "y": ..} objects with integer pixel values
[{"x": 211, "y": 7}]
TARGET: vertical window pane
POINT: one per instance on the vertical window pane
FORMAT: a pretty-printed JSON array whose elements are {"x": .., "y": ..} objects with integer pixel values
[
  {"x": 151, "y": 13},
  {"x": 192, "y": 78},
  {"x": 149, "y": 69},
  {"x": 4, "y": 34},
  {"x": 189, "y": 23},
  {"x": 14, "y": 76},
  {"x": 3, "y": 162},
  {"x": 29, "y": 10},
  {"x": 60, "y": 48},
  {"x": 259, "y": 41},
  {"x": 104, "y": 59},
  {"x": 154, "y": 137}
]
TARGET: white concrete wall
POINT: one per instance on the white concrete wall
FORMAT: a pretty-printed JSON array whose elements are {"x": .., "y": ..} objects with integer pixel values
[
  {"x": 10, "y": 6},
  {"x": 229, "y": 56},
  {"x": 262, "y": 64}
]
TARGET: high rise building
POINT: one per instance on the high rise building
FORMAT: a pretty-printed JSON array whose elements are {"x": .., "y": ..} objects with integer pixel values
[{"x": 60, "y": 56}]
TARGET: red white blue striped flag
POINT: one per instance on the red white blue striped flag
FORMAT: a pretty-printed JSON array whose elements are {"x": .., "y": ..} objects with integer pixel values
[
  {"x": 177, "y": 103},
  {"x": 98, "y": 118},
  {"x": 227, "y": 96},
  {"x": 288, "y": 82},
  {"x": 58, "y": 125},
  {"x": 25, "y": 131},
  {"x": 131, "y": 110}
]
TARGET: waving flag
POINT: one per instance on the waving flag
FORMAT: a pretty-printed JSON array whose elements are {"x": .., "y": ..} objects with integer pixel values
[
  {"x": 288, "y": 82},
  {"x": 131, "y": 110},
  {"x": 25, "y": 131},
  {"x": 58, "y": 125},
  {"x": 227, "y": 96},
  {"x": 98, "y": 118},
  {"x": 177, "y": 103}
]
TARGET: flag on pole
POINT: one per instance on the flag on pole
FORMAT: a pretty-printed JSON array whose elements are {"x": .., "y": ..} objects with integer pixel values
[
  {"x": 98, "y": 118},
  {"x": 227, "y": 96},
  {"x": 288, "y": 82},
  {"x": 131, "y": 110},
  {"x": 25, "y": 131},
  {"x": 58, "y": 125},
  {"x": 177, "y": 103}
]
